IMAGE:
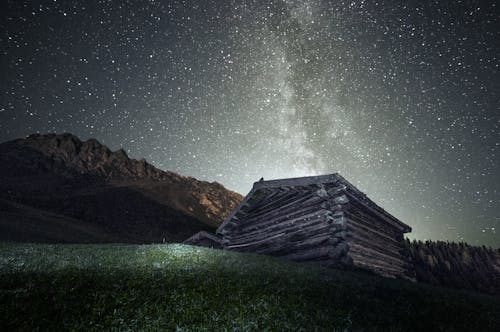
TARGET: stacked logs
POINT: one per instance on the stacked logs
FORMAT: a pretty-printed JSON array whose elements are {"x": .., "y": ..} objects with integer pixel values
[{"x": 311, "y": 219}]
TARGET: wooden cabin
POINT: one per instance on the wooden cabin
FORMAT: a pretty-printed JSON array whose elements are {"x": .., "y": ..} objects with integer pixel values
[
  {"x": 204, "y": 239},
  {"x": 323, "y": 219}
]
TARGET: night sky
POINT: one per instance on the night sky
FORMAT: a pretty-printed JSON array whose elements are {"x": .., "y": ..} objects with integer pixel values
[{"x": 402, "y": 99}]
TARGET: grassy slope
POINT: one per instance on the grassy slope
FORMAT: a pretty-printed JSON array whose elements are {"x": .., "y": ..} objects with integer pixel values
[{"x": 176, "y": 287}]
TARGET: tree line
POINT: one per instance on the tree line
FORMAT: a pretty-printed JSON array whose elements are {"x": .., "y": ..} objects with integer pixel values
[{"x": 457, "y": 265}]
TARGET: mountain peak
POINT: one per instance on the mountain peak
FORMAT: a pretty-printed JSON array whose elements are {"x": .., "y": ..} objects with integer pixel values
[
  {"x": 89, "y": 157},
  {"x": 60, "y": 176}
]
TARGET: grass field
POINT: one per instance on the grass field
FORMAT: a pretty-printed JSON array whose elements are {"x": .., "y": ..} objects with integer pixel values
[{"x": 184, "y": 288}]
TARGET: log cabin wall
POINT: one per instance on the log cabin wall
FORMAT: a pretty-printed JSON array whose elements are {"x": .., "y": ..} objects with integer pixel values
[{"x": 324, "y": 219}]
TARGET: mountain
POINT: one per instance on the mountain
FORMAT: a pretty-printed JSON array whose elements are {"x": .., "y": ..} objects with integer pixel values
[{"x": 57, "y": 188}]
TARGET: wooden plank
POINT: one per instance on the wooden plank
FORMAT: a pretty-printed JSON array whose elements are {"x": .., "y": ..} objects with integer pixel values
[
  {"x": 306, "y": 255},
  {"x": 289, "y": 211},
  {"x": 378, "y": 212},
  {"x": 271, "y": 195},
  {"x": 288, "y": 225},
  {"x": 363, "y": 238},
  {"x": 361, "y": 258},
  {"x": 357, "y": 227},
  {"x": 282, "y": 204},
  {"x": 277, "y": 200},
  {"x": 252, "y": 224},
  {"x": 358, "y": 260},
  {"x": 375, "y": 254},
  {"x": 298, "y": 232},
  {"x": 306, "y": 198},
  {"x": 371, "y": 225},
  {"x": 313, "y": 228},
  {"x": 382, "y": 270},
  {"x": 305, "y": 244},
  {"x": 288, "y": 247},
  {"x": 288, "y": 207}
]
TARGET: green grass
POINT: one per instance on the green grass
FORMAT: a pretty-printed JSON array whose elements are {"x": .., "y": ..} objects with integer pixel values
[{"x": 184, "y": 288}]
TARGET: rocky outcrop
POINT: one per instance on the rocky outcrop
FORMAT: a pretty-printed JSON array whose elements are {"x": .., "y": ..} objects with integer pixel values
[
  {"x": 84, "y": 180},
  {"x": 89, "y": 157}
]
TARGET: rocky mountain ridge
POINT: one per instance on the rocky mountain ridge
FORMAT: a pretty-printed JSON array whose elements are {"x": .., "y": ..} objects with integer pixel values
[
  {"x": 91, "y": 157},
  {"x": 86, "y": 181}
]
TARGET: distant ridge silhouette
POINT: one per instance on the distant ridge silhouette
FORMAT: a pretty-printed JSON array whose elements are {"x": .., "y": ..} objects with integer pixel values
[{"x": 57, "y": 188}]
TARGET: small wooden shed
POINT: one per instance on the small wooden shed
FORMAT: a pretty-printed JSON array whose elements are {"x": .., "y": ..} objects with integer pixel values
[
  {"x": 204, "y": 239},
  {"x": 324, "y": 219}
]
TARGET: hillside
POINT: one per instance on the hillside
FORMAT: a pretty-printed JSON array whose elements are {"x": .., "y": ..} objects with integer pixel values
[
  {"x": 184, "y": 288},
  {"x": 56, "y": 188}
]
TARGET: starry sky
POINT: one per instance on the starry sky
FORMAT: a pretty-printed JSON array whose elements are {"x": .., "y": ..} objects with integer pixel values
[{"x": 401, "y": 98}]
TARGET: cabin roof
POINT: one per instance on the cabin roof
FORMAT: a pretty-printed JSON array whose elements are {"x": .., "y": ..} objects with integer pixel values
[
  {"x": 294, "y": 182},
  {"x": 316, "y": 181}
]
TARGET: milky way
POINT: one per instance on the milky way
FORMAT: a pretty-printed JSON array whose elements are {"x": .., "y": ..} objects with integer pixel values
[{"x": 402, "y": 99}]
